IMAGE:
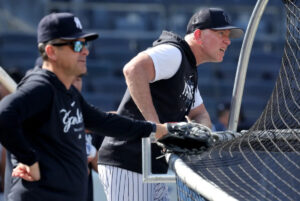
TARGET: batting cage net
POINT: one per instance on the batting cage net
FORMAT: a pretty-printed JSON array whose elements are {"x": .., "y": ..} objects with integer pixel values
[{"x": 264, "y": 163}]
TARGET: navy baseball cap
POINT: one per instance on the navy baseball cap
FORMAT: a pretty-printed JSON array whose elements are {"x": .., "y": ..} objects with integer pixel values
[
  {"x": 215, "y": 19},
  {"x": 64, "y": 26}
]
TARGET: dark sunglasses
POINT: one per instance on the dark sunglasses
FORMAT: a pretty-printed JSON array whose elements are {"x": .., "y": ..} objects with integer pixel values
[{"x": 76, "y": 45}]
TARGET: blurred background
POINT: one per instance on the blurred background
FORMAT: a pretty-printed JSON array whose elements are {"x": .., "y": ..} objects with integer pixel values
[{"x": 127, "y": 27}]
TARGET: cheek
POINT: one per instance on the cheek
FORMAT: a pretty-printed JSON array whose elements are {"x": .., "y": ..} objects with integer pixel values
[
  {"x": 210, "y": 42},
  {"x": 71, "y": 60},
  {"x": 68, "y": 61},
  {"x": 214, "y": 43},
  {"x": 210, "y": 46}
]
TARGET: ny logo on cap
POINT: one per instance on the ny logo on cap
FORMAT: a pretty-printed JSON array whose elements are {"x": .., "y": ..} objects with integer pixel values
[
  {"x": 77, "y": 22},
  {"x": 226, "y": 17}
]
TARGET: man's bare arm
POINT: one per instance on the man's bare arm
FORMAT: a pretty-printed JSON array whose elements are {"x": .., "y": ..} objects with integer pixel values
[
  {"x": 138, "y": 73},
  {"x": 200, "y": 115}
]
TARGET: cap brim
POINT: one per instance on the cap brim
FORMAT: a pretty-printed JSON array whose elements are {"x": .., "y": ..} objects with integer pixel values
[
  {"x": 87, "y": 36},
  {"x": 235, "y": 32}
]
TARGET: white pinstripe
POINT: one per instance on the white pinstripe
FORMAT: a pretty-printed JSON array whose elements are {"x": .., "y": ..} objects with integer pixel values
[{"x": 124, "y": 185}]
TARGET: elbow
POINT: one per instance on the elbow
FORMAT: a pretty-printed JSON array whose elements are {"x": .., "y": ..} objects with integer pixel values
[
  {"x": 128, "y": 71},
  {"x": 132, "y": 72},
  {"x": 139, "y": 68}
]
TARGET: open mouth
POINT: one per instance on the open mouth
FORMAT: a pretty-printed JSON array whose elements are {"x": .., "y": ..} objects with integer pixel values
[{"x": 222, "y": 50}]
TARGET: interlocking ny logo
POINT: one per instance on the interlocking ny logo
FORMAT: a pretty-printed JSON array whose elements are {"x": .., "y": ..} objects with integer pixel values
[
  {"x": 77, "y": 22},
  {"x": 226, "y": 17}
]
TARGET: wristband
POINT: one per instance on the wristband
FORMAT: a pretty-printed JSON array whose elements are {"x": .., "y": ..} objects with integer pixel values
[{"x": 153, "y": 127}]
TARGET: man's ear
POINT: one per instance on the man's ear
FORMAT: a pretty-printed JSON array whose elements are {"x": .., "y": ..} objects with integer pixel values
[
  {"x": 197, "y": 36},
  {"x": 51, "y": 52}
]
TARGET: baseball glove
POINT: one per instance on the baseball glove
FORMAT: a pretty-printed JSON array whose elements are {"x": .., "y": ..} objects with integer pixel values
[{"x": 186, "y": 138}]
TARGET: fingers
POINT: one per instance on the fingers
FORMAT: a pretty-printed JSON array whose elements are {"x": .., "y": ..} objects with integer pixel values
[
  {"x": 188, "y": 119},
  {"x": 23, "y": 172},
  {"x": 28, "y": 173}
]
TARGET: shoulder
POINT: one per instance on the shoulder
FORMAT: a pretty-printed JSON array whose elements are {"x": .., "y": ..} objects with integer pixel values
[
  {"x": 165, "y": 55},
  {"x": 166, "y": 59},
  {"x": 164, "y": 49},
  {"x": 36, "y": 85}
]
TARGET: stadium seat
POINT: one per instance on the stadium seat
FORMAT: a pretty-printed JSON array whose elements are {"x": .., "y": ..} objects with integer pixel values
[
  {"x": 130, "y": 22},
  {"x": 18, "y": 50},
  {"x": 225, "y": 70},
  {"x": 264, "y": 66},
  {"x": 144, "y": 43},
  {"x": 18, "y": 39},
  {"x": 101, "y": 19},
  {"x": 105, "y": 102},
  {"x": 108, "y": 85},
  {"x": 258, "y": 88}
]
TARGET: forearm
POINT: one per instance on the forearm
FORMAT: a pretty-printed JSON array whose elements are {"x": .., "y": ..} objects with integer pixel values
[
  {"x": 140, "y": 93},
  {"x": 200, "y": 115},
  {"x": 114, "y": 125},
  {"x": 203, "y": 119}
]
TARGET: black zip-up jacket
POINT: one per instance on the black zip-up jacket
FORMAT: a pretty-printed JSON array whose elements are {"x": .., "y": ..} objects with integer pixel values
[
  {"x": 43, "y": 121},
  {"x": 172, "y": 99}
]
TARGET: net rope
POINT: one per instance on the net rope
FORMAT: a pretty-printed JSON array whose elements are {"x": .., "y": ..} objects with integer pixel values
[{"x": 264, "y": 163}]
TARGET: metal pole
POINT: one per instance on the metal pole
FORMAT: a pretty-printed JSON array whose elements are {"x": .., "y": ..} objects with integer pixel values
[
  {"x": 148, "y": 177},
  {"x": 243, "y": 64}
]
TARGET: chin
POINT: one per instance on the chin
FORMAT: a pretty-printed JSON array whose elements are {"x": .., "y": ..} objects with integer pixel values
[
  {"x": 220, "y": 59},
  {"x": 217, "y": 60},
  {"x": 83, "y": 70}
]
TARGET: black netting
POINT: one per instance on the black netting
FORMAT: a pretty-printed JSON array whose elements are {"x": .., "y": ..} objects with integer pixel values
[{"x": 264, "y": 164}]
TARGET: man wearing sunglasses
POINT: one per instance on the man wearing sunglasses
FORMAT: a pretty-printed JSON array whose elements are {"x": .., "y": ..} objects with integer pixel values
[{"x": 42, "y": 124}]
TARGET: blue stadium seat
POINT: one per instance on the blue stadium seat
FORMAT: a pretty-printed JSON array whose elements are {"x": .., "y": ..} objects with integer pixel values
[
  {"x": 233, "y": 51},
  {"x": 130, "y": 22},
  {"x": 18, "y": 50},
  {"x": 144, "y": 43},
  {"x": 205, "y": 73},
  {"x": 107, "y": 45},
  {"x": 100, "y": 68},
  {"x": 18, "y": 40},
  {"x": 216, "y": 89},
  {"x": 258, "y": 88},
  {"x": 105, "y": 102},
  {"x": 178, "y": 21},
  {"x": 108, "y": 85},
  {"x": 22, "y": 59},
  {"x": 253, "y": 107},
  {"x": 265, "y": 67},
  {"x": 101, "y": 19},
  {"x": 225, "y": 70},
  {"x": 211, "y": 106}
]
